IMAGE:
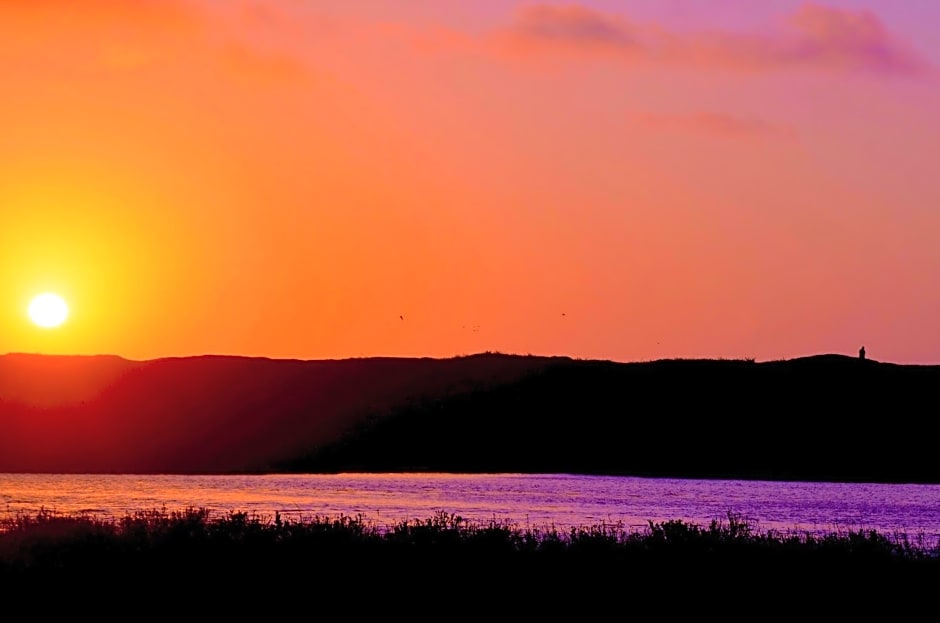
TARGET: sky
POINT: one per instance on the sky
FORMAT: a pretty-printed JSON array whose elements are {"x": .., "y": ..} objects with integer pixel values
[{"x": 631, "y": 180}]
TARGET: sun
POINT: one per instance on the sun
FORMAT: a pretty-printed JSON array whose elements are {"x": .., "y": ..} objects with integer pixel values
[{"x": 48, "y": 310}]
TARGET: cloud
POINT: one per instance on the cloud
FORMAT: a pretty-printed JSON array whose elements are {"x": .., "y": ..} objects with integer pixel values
[
  {"x": 814, "y": 37},
  {"x": 570, "y": 30},
  {"x": 718, "y": 125},
  {"x": 846, "y": 39},
  {"x": 575, "y": 25}
]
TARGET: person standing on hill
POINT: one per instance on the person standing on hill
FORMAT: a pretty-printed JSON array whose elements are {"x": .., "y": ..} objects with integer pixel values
[{"x": 861, "y": 352}]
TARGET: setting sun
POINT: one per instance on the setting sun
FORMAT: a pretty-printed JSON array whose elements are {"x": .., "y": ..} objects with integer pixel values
[{"x": 48, "y": 310}]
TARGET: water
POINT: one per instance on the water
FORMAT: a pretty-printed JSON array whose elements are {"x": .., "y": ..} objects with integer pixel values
[{"x": 527, "y": 501}]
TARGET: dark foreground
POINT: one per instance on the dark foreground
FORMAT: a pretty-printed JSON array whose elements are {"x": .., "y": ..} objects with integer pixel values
[{"x": 188, "y": 563}]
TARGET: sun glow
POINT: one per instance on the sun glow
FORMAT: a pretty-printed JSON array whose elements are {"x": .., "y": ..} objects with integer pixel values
[{"x": 48, "y": 310}]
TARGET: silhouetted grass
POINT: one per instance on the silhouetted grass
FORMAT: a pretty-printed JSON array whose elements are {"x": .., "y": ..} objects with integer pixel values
[
  {"x": 239, "y": 564},
  {"x": 51, "y": 543}
]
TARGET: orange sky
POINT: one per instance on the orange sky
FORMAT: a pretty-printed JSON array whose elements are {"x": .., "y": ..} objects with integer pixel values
[{"x": 622, "y": 180}]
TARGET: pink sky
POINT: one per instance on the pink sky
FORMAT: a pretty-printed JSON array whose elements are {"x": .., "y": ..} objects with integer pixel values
[{"x": 624, "y": 180}]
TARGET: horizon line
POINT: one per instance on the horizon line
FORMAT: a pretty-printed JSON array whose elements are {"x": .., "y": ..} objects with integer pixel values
[{"x": 449, "y": 357}]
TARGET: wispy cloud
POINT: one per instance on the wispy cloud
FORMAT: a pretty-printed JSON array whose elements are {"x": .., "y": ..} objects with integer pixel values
[
  {"x": 814, "y": 37},
  {"x": 713, "y": 124},
  {"x": 577, "y": 27}
]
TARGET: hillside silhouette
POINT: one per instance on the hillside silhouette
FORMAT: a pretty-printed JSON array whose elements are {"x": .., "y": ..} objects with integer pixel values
[{"x": 826, "y": 417}]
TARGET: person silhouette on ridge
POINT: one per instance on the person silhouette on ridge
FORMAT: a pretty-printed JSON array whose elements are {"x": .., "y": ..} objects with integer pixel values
[{"x": 861, "y": 352}]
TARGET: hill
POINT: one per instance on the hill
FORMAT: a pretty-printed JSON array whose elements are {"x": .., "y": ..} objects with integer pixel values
[
  {"x": 210, "y": 414},
  {"x": 825, "y": 417}
]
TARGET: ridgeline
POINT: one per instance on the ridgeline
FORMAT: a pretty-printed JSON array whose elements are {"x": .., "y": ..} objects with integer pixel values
[{"x": 818, "y": 418}]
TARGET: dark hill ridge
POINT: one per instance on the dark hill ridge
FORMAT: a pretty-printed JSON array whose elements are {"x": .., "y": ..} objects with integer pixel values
[
  {"x": 825, "y": 417},
  {"x": 210, "y": 414}
]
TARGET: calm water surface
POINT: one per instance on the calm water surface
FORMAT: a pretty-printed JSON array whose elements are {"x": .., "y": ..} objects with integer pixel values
[{"x": 528, "y": 501}]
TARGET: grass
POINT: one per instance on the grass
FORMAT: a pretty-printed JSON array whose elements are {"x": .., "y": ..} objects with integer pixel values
[
  {"x": 48, "y": 541},
  {"x": 242, "y": 560}
]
